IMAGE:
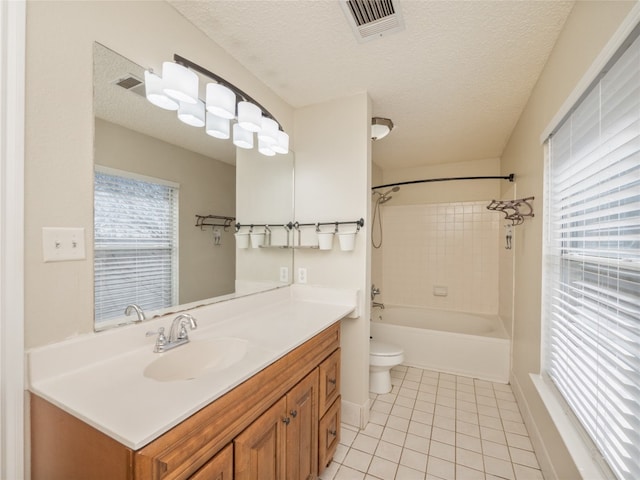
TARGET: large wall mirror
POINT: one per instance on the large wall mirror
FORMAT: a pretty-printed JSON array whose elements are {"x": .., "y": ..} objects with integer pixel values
[{"x": 153, "y": 176}]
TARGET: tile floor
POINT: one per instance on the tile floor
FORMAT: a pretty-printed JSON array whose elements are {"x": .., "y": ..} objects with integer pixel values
[{"x": 436, "y": 426}]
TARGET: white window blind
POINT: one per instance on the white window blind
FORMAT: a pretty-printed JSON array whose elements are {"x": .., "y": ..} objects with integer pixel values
[
  {"x": 136, "y": 235},
  {"x": 591, "y": 288}
]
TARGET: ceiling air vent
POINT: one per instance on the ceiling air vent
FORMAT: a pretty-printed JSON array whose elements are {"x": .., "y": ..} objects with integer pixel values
[
  {"x": 131, "y": 83},
  {"x": 371, "y": 19}
]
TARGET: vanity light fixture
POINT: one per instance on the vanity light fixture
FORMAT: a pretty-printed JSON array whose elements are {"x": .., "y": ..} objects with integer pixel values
[
  {"x": 380, "y": 127},
  {"x": 177, "y": 89}
]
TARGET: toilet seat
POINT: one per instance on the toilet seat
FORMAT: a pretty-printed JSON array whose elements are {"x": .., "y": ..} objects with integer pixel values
[{"x": 380, "y": 349}]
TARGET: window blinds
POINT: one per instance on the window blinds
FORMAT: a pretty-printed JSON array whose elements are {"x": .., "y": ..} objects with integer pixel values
[
  {"x": 592, "y": 264},
  {"x": 135, "y": 245}
]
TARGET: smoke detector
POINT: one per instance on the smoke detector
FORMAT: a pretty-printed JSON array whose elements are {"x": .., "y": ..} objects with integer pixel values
[{"x": 371, "y": 19}]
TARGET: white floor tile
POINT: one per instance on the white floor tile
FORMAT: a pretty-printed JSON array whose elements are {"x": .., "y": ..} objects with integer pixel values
[
  {"x": 466, "y": 473},
  {"x": 406, "y": 473},
  {"x": 523, "y": 457},
  {"x": 393, "y": 436},
  {"x": 469, "y": 459},
  {"x": 441, "y": 468},
  {"x": 414, "y": 460},
  {"x": 437, "y": 426},
  {"x": 417, "y": 443},
  {"x": 358, "y": 460},
  {"x": 389, "y": 451},
  {"x": 365, "y": 443},
  {"x": 373, "y": 429},
  {"x": 398, "y": 423},
  {"x": 382, "y": 468},
  {"x": 346, "y": 473},
  {"x": 442, "y": 450}
]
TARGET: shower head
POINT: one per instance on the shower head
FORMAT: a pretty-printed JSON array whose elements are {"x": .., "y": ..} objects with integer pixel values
[{"x": 392, "y": 190}]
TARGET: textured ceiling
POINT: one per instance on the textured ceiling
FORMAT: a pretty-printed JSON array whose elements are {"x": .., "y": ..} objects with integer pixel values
[
  {"x": 454, "y": 81},
  {"x": 131, "y": 110}
]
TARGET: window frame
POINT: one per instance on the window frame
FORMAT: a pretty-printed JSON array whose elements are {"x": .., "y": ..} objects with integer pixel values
[{"x": 101, "y": 324}]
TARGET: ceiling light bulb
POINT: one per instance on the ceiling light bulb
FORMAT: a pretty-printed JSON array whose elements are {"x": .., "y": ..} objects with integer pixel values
[
  {"x": 242, "y": 138},
  {"x": 282, "y": 145},
  {"x": 192, "y": 114},
  {"x": 221, "y": 101},
  {"x": 249, "y": 116},
  {"x": 154, "y": 93},
  {"x": 380, "y": 127},
  {"x": 180, "y": 83},
  {"x": 269, "y": 131},
  {"x": 217, "y": 127},
  {"x": 265, "y": 148}
]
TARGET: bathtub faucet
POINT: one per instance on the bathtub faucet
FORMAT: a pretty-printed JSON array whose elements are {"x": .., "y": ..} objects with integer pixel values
[
  {"x": 374, "y": 291},
  {"x": 377, "y": 304}
]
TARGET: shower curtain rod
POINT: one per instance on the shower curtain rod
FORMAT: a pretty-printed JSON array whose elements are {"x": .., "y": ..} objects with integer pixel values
[{"x": 509, "y": 177}]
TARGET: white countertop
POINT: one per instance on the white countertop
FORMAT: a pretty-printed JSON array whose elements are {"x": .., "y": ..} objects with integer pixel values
[{"x": 99, "y": 377}]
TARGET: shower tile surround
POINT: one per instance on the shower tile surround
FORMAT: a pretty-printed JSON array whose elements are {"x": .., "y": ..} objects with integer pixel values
[
  {"x": 436, "y": 426},
  {"x": 455, "y": 245}
]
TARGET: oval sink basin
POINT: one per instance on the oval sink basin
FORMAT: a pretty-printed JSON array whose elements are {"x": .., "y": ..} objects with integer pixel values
[{"x": 196, "y": 358}]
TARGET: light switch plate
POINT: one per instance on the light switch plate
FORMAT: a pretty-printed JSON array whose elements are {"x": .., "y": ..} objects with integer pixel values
[{"x": 63, "y": 244}]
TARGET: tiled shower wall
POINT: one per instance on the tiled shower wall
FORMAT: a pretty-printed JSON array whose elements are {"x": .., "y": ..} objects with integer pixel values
[{"x": 451, "y": 245}]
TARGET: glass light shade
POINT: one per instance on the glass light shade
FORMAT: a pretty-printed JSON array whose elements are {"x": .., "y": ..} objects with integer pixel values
[
  {"x": 217, "y": 127},
  {"x": 380, "y": 127},
  {"x": 153, "y": 90},
  {"x": 269, "y": 131},
  {"x": 221, "y": 101},
  {"x": 180, "y": 83},
  {"x": 249, "y": 116},
  {"x": 242, "y": 138},
  {"x": 282, "y": 145},
  {"x": 265, "y": 148},
  {"x": 192, "y": 114}
]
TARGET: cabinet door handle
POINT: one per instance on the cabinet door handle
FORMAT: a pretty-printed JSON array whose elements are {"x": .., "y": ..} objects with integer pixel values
[
  {"x": 293, "y": 413},
  {"x": 332, "y": 433},
  {"x": 286, "y": 420},
  {"x": 332, "y": 381}
]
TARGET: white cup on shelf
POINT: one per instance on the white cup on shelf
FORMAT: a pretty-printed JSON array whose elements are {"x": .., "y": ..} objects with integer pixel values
[
  {"x": 242, "y": 240},
  {"x": 325, "y": 240},
  {"x": 347, "y": 241}
]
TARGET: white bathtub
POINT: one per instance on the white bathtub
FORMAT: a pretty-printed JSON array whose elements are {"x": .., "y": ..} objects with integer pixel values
[{"x": 453, "y": 342}]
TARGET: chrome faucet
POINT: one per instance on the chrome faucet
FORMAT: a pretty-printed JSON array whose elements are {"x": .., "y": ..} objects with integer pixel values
[
  {"x": 178, "y": 334},
  {"x": 375, "y": 291},
  {"x": 135, "y": 308}
]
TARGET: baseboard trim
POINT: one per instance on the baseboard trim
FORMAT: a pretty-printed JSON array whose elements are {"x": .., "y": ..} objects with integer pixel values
[
  {"x": 534, "y": 433},
  {"x": 354, "y": 414}
]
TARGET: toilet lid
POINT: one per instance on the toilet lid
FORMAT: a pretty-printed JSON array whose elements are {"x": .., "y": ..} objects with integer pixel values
[{"x": 384, "y": 349}]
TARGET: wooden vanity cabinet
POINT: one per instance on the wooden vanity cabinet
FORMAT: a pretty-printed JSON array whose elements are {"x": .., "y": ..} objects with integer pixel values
[
  {"x": 220, "y": 467},
  {"x": 250, "y": 432},
  {"x": 329, "y": 409}
]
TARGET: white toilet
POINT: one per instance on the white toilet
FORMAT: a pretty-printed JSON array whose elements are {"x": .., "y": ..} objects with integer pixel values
[{"x": 382, "y": 358}]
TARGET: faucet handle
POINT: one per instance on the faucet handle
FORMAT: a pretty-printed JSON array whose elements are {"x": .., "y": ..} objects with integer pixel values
[{"x": 161, "y": 341}]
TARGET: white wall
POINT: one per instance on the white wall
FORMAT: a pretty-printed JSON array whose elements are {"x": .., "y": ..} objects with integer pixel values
[
  {"x": 588, "y": 28},
  {"x": 59, "y": 134},
  {"x": 333, "y": 184}
]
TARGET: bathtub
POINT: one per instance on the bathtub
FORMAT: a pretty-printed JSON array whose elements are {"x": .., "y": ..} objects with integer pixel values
[{"x": 460, "y": 343}]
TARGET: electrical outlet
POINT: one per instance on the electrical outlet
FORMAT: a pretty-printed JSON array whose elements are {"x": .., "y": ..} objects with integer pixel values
[
  {"x": 302, "y": 275},
  {"x": 62, "y": 244},
  {"x": 284, "y": 274}
]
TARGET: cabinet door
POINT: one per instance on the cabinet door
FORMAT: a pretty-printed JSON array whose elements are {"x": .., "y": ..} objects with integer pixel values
[
  {"x": 329, "y": 435},
  {"x": 302, "y": 429},
  {"x": 220, "y": 467},
  {"x": 260, "y": 448},
  {"x": 329, "y": 381}
]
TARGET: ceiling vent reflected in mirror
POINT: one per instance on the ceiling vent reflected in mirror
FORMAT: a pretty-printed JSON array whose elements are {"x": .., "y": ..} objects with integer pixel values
[
  {"x": 131, "y": 83},
  {"x": 371, "y": 19}
]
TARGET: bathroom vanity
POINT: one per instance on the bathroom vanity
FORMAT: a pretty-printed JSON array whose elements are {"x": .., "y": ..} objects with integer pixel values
[{"x": 275, "y": 414}]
